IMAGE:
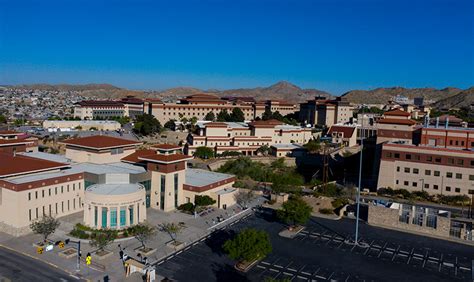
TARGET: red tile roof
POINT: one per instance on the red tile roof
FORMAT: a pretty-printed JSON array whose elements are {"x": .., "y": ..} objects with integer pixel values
[
  {"x": 133, "y": 158},
  {"x": 266, "y": 123},
  {"x": 348, "y": 131},
  {"x": 215, "y": 124},
  {"x": 9, "y": 142},
  {"x": 398, "y": 113},
  {"x": 10, "y": 132},
  {"x": 100, "y": 142},
  {"x": 160, "y": 158},
  {"x": 166, "y": 147},
  {"x": 99, "y": 103},
  {"x": 397, "y": 121},
  {"x": 15, "y": 165}
]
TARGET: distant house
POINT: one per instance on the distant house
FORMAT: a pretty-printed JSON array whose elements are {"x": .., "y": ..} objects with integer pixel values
[{"x": 343, "y": 134}]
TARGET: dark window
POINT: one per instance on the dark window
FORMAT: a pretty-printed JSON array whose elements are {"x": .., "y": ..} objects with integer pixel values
[
  {"x": 427, "y": 172},
  {"x": 415, "y": 171},
  {"x": 388, "y": 154},
  {"x": 450, "y": 161},
  {"x": 414, "y": 184},
  {"x": 429, "y": 158},
  {"x": 457, "y": 190},
  {"x": 405, "y": 183},
  {"x": 408, "y": 156},
  {"x": 458, "y": 176},
  {"x": 435, "y": 187},
  {"x": 407, "y": 170},
  {"x": 471, "y": 177},
  {"x": 448, "y": 188},
  {"x": 427, "y": 186},
  {"x": 397, "y": 155},
  {"x": 436, "y": 173},
  {"x": 438, "y": 160},
  {"x": 449, "y": 174},
  {"x": 460, "y": 162}
]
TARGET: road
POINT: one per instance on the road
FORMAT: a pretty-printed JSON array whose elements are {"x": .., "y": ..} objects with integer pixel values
[
  {"x": 320, "y": 253},
  {"x": 17, "y": 267}
]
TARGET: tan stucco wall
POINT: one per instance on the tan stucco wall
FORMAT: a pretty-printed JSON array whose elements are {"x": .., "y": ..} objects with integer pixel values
[{"x": 90, "y": 157}]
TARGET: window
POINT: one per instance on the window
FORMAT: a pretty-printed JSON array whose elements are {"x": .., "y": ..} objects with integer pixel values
[
  {"x": 396, "y": 182},
  {"x": 29, "y": 215},
  {"x": 95, "y": 216},
  {"x": 398, "y": 168},
  {"x": 397, "y": 155},
  {"x": 435, "y": 187},
  {"x": 104, "y": 218},
  {"x": 437, "y": 160},
  {"x": 457, "y": 190},
  {"x": 49, "y": 192},
  {"x": 408, "y": 156},
  {"x": 471, "y": 177},
  {"x": 458, "y": 176},
  {"x": 130, "y": 209},
  {"x": 74, "y": 187},
  {"x": 68, "y": 188},
  {"x": 427, "y": 172},
  {"x": 450, "y": 161},
  {"x": 68, "y": 206},
  {"x": 116, "y": 151},
  {"x": 472, "y": 163},
  {"x": 62, "y": 206},
  {"x": 73, "y": 204},
  {"x": 123, "y": 216},
  {"x": 405, "y": 183},
  {"x": 176, "y": 190},
  {"x": 449, "y": 174},
  {"x": 36, "y": 194},
  {"x": 460, "y": 162},
  {"x": 429, "y": 158},
  {"x": 388, "y": 155},
  {"x": 414, "y": 184},
  {"x": 162, "y": 194},
  {"x": 56, "y": 208},
  {"x": 437, "y": 173},
  {"x": 448, "y": 189},
  {"x": 55, "y": 190},
  {"x": 407, "y": 170},
  {"x": 29, "y": 196},
  {"x": 62, "y": 189},
  {"x": 415, "y": 171},
  {"x": 427, "y": 186},
  {"x": 113, "y": 218},
  {"x": 36, "y": 213},
  {"x": 416, "y": 157},
  {"x": 42, "y": 193}
]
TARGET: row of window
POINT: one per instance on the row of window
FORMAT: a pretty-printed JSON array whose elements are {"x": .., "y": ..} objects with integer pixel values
[
  {"x": 65, "y": 207},
  {"x": 56, "y": 190},
  {"x": 436, "y": 159},
  {"x": 427, "y": 186},
  {"x": 435, "y": 173}
]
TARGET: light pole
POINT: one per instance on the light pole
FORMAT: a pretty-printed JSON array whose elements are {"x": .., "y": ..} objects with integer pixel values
[{"x": 356, "y": 241}]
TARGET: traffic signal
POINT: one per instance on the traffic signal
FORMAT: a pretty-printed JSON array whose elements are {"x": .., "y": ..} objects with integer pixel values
[
  {"x": 88, "y": 259},
  {"x": 39, "y": 250}
]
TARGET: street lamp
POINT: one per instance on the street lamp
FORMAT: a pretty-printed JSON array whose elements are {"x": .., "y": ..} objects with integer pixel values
[{"x": 356, "y": 241}]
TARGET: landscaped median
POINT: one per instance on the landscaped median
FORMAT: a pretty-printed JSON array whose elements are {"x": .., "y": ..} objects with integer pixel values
[{"x": 248, "y": 248}]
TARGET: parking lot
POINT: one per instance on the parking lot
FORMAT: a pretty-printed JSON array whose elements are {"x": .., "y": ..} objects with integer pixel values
[{"x": 322, "y": 252}]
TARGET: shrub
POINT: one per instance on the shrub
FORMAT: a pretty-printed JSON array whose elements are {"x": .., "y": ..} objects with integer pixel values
[
  {"x": 326, "y": 211},
  {"x": 203, "y": 200},
  {"x": 339, "y": 202},
  {"x": 188, "y": 207},
  {"x": 81, "y": 234}
]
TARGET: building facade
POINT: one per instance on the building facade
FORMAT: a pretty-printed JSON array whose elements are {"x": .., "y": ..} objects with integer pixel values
[
  {"x": 397, "y": 125},
  {"x": 324, "y": 112},
  {"x": 443, "y": 163},
  {"x": 246, "y": 137}
]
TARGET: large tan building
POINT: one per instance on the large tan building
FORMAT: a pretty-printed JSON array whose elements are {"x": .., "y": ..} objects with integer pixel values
[
  {"x": 397, "y": 125},
  {"x": 443, "y": 163},
  {"x": 323, "y": 112},
  {"x": 104, "y": 109},
  {"x": 106, "y": 178},
  {"x": 246, "y": 137}
]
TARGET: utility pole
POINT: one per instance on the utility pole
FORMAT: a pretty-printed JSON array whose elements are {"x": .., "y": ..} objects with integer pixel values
[
  {"x": 78, "y": 253},
  {"x": 356, "y": 242}
]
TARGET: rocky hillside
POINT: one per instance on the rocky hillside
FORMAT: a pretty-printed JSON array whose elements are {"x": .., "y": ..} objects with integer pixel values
[
  {"x": 463, "y": 99},
  {"x": 383, "y": 95}
]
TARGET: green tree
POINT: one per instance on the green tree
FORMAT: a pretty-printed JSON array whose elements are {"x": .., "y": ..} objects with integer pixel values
[
  {"x": 295, "y": 211},
  {"x": 203, "y": 200},
  {"x": 248, "y": 245},
  {"x": 237, "y": 115},
  {"x": 45, "y": 226},
  {"x": 146, "y": 125},
  {"x": 313, "y": 146},
  {"x": 143, "y": 232},
  {"x": 204, "y": 152},
  {"x": 210, "y": 116},
  {"x": 170, "y": 124},
  {"x": 223, "y": 115},
  {"x": 102, "y": 238},
  {"x": 244, "y": 198},
  {"x": 3, "y": 119},
  {"x": 267, "y": 114},
  {"x": 264, "y": 150},
  {"x": 172, "y": 229}
]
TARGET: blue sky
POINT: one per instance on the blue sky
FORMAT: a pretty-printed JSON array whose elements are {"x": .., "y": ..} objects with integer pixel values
[{"x": 333, "y": 45}]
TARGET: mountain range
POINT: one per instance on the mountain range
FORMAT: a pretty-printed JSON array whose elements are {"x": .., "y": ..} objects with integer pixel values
[{"x": 447, "y": 97}]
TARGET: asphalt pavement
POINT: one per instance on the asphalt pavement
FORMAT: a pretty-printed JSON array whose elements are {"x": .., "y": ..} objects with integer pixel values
[
  {"x": 322, "y": 252},
  {"x": 17, "y": 267}
]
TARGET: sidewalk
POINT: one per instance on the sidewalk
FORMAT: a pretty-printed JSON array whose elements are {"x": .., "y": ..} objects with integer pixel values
[{"x": 195, "y": 229}]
